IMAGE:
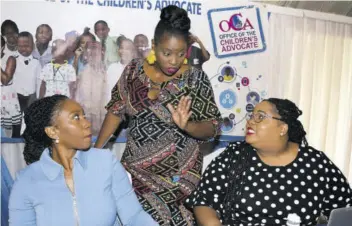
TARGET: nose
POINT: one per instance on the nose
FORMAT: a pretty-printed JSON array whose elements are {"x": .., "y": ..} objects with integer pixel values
[
  {"x": 87, "y": 124},
  {"x": 250, "y": 120},
  {"x": 173, "y": 60}
]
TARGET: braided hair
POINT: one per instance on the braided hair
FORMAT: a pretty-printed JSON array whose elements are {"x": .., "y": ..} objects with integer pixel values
[
  {"x": 37, "y": 116},
  {"x": 289, "y": 113}
]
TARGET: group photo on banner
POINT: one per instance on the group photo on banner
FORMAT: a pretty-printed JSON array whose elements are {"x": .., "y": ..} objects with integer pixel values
[{"x": 158, "y": 113}]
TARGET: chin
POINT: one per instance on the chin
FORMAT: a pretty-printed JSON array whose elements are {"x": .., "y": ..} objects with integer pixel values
[
  {"x": 249, "y": 139},
  {"x": 85, "y": 147}
]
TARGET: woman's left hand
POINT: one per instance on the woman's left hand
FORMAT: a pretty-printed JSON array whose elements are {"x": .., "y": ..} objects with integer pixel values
[{"x": 182, "y": 113}]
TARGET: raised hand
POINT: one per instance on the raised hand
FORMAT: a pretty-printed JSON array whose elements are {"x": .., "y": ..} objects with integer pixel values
[{"x": 181, "y": 113}]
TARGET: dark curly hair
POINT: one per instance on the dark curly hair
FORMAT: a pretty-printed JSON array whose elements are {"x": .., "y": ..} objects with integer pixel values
[
  {"x": 289, "y": 113},
  {"x": 173, "y": 21},
  {"x": 37, "y": 116}
]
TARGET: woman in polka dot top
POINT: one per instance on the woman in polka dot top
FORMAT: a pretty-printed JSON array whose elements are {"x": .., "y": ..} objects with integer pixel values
[{"x": 273, "y": 178}]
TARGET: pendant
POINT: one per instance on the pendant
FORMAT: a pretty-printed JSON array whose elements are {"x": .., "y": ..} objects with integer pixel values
[{"x": 153, "y": 93}]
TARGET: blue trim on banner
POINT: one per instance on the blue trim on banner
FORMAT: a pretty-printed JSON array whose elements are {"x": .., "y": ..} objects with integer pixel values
[
  {"x": 269, "y": 14},
  {"x": 235, "y": 54}
]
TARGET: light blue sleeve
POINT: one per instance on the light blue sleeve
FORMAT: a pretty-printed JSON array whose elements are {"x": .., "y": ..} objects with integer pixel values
[
  {"x": 21, "y": 210},
  {"x": 129, "y": 210}
]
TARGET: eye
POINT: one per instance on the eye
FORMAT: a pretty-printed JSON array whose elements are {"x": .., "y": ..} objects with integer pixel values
[
  {"x": 166, "y": 54},
  {"x": 76, "y": 117},
  {"x": 182, "y": 54},
  {"x": 261, "y": 116}
]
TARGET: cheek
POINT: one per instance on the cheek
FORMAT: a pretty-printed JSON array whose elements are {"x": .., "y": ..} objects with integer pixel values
[{"x": 72, "y": 136}]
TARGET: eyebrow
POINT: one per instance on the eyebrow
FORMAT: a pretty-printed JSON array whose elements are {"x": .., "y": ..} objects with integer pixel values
[
  {"x": 172, "y": 51},
  {"x": 262, "y": 111},
  {"x": 77, "y": 111}
]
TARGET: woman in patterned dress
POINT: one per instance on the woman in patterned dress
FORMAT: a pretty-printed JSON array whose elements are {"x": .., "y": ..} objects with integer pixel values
[{"x": 172, "y": 110}]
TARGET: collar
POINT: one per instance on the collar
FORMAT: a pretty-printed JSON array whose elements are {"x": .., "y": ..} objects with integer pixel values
[
  {"x": 52, "y": 169},
  {"x": 55, "y": 65},
  {"x": 30, "y": 57},
  {"x": 46, "y": 52}
]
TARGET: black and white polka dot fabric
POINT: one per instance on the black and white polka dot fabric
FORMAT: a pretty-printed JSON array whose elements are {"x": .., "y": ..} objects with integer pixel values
[{"x": 308, "y": 186}]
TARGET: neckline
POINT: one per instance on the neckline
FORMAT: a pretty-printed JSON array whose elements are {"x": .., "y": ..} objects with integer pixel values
[
  {"x": 180, "y": 77},
  {"x": 299, "y": 153}
]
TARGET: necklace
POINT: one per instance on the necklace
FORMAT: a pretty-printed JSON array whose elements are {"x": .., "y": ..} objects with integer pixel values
[{"x": 154, "y": 89}]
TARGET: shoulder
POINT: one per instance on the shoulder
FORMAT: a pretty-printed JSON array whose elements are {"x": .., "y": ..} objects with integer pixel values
[
  {"x": 99, "y": 153},
  {"x": 35, "y": 60},
  {"x": 134, "y": 65},
  {"x": 99, "y": 156},
  {"x": 197, "y": 77},
  {"x": 29, "y": 174},
  {"x": 232, "y": 149},
  {"x": 314, "y": 155}
]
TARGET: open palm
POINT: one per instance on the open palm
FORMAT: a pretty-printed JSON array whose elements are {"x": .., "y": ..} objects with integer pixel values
[{"x": 181, "y": 113}]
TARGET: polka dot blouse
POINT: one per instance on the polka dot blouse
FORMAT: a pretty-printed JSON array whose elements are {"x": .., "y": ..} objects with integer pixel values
[{"x": 307, "y": 187}]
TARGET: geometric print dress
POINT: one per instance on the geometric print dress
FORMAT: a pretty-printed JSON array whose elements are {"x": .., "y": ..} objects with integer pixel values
[{"x": 164, "y": 162}]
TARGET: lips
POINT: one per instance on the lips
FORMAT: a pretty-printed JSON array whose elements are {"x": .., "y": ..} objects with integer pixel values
[
  {"x": 250, "y": 131},
  {"x": 89, "y": 136},
  {"x": 172, "y": 70}
]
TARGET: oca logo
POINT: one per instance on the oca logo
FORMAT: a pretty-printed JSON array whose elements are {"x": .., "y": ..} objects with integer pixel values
[{"x": 235, "y": 23}]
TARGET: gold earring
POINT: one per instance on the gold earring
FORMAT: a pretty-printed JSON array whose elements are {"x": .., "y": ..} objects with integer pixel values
[
  {"x": 185, "y": 61},
  {"x": 151, "y": 57}
]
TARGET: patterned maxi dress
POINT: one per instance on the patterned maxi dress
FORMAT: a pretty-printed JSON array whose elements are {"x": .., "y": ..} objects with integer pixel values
[{"x": 165, "y": 163}]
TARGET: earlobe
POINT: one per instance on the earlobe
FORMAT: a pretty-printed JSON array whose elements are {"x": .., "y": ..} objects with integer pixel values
[{"x": 153, "y": 44}]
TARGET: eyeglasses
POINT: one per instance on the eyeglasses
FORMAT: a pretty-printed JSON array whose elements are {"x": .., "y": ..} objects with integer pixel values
[{"x": 260, "y": 116}]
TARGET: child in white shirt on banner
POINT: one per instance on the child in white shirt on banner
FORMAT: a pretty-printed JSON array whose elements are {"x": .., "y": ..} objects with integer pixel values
[
  {"x": 27, "y": 70},
  {"x": 58, "y": 77}
]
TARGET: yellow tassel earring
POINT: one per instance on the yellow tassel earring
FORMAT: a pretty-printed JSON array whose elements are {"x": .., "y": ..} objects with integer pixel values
[
  {"x": 185, "y": 61},
  {"x": 151, "y": 57}
]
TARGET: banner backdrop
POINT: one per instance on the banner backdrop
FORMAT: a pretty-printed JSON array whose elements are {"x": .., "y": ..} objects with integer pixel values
[{"x": 233, "y": 33}]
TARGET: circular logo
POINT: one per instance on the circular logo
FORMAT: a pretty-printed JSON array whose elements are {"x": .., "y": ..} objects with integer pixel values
[
  {"x": 227, "y": 125},
  {"x": 228, "y": 73},
  {"x": 232, "y": 116},
  {"x": 245, "y": 81},
  {"x": 249, "y": 107},
  {"x": 253, "y": 97},
  {"x": 221, "y": 78},
  {"x": 228, "y": 99}
]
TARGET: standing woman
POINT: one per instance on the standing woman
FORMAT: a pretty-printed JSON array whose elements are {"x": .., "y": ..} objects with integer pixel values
[{"x": 172, "y": 110}]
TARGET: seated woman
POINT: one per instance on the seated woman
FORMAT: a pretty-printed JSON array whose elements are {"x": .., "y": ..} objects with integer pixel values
[
  {"x": 67, "y": 182},
  {"x": 271, "y": 179}
]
